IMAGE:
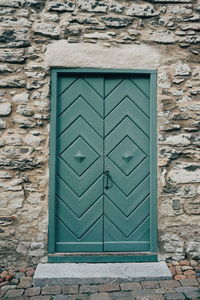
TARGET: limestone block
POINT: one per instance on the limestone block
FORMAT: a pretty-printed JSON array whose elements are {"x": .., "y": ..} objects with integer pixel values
[
  {"x": 12, "y": 82},
  {"x": 116, "y": 7},
  {"x": 92, "y": 5},
  {"x": 194, "y": 249},
  {"x": 24, "y": 110},
  {"x": 21, "y": 97},
  {"x": 192, "y": 207},
  {"x": 24, "y": 122},
  {"x": 15, "y": 37},
  {"x": 13, "y": 56},
  {"x": 141, "y": 10},
  {"x": 5, "y": 174},
  {"x": 185, "y": 173},
  {"x": 5, "y": 109},
  {"x": 48, "y": 30},
  {"x": 116, "y": 21},
  {"x": 2, "y": 124},
  {"x": 98, "y": 56},
  {"x": 182, "y": 70},
  {"x": 22, "y": 248},
  {"x": 32, "y": 140},
  {"x": 163, "y": 37},
  {"x": 176, "y": 140},
  {"x": 60, "y": 6},
  {"x": 34, "y": 198},
  {"x": 12, "y": 3}
]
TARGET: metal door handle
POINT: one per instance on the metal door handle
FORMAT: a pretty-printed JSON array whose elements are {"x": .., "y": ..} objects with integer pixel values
[{"x": 107, "y": 173}]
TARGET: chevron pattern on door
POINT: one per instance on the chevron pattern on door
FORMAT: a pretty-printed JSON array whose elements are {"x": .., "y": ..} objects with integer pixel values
[
  {"x": 79, "y": 173},
  {"x": 103, "y": 125},
  {"x": 127, "y": 202}
]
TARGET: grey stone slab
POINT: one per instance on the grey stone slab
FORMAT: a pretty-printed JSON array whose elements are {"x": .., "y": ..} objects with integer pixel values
[{"x": 89, "y": 273}]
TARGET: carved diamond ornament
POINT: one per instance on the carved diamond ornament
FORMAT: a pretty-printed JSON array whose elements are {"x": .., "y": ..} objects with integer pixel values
[
  {"x": 127, "y": 156},
  {"x": 79, "y": 156}
]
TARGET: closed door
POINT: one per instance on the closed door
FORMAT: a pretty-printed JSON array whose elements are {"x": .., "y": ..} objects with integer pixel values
[{"x": 102, "y": 163}]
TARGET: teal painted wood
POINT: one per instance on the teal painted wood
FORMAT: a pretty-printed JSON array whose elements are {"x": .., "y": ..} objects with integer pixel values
[
  {"x": 79, "y": 164},
  {"x": 153, "y": 163},
  {"x": 132, "y": 115},
  {"x": 127, "y": 151},
  {"x": 103, "y": 259},
  {"x": 52, "y": 163}
]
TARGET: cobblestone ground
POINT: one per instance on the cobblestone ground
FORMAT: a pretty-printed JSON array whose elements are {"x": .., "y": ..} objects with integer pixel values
[
  {"x": 18, "y": 284},
  {"x": 146, "y": 290}
]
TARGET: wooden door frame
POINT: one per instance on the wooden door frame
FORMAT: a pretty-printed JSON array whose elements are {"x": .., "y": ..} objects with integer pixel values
[{"x": 56, "y": 257}]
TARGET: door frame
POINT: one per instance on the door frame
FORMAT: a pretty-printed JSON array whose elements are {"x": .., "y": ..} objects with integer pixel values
[{"x": 147, "y": 256}]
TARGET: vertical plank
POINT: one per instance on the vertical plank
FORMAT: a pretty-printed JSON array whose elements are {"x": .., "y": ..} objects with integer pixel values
[
  {"x": 153, "y": 162},
  {"x": 52, "y": 163}
]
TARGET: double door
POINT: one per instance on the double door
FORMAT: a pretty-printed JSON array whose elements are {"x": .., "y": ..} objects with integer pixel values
[{"x": 102, "y": 163}]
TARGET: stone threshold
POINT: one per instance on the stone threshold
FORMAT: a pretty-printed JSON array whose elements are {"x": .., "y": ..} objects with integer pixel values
[{"x": 98, "y": 273}]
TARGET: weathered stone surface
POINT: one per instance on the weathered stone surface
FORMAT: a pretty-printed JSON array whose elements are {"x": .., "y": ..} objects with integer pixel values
[
  {"x": 182, "y": 70},
  {"x": 163, "y": 37},
  {"x": 12, "y": 56},
  {"x": 14, "y": 293},
  {"x": 92, "y": 5},
  {"x": 60, "y": 6},
  {"x": 5, "y": 109},
  {"x": 23, "y": 97},
  {"x": 141, "y": 10},
  {"x": 116, "y": 22},
  {"x": 12, "y": 82},
  {"x": 25, "y": 282},
  {"x": 48, "y": 30},
  {"x": 185, "y": 173},
  {"x": 12, "y": 3},
  {"x": 13, "y": 37},
  {"x": 2, "y": 124}
]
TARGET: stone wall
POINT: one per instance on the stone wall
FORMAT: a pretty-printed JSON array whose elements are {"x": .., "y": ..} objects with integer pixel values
[{"x": 170, "y": 28}]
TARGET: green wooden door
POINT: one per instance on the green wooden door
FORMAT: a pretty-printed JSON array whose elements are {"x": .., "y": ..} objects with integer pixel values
[{"x": 102, "y": 163}]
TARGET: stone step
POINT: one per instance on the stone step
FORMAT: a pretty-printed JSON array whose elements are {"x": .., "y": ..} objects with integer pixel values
[{"x": 90, "y": 273}]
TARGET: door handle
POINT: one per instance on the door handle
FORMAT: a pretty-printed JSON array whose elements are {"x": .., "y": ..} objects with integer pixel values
[{"x": 107, "y": 173}]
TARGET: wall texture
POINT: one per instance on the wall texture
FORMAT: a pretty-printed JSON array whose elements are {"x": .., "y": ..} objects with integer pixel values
[{"x": 158, "y": 34}]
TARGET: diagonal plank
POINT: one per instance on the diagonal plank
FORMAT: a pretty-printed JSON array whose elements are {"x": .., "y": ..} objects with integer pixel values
[
  {"x": 141, "y": 233},
  {"x": 66, "y": 241},
  {"x": 80, "y": 128},
  {"x": 126, "y": 225},
  {"x": 128, "y": 203},
  {"x": 80, "y": 88},
  {"x": 80, "y": 225},
  {"x": 79, "y": 108},
  {"x": 79, "y": 205},
  {"x": 79, "y": 184},
  {"x": 126, "y": 128},
  {"x": 129, "y": 89},
  {"x": 127, "y": 108},
  {"x": 128, "y": 183}
]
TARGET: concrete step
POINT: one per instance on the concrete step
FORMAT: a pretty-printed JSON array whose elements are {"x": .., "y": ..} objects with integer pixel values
[{"x": 90, "y": 273}]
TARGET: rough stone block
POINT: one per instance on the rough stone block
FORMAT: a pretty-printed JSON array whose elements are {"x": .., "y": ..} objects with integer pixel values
[
  {"x": 51, "y": 290},
  {"x": 99, "y": 296},
  {"x": 88, "y": 289},
  {"x": 150, "y": 284},
  {"x": 12, "y": 56},
  {"x": 72, "y": 289},
  {"x": 109, "y": 287},
  {"x": 129, "y": 286},
  {"x": 116, "y": 21},
  {"x": 14, "y": 293},
  {"x": 5, "y": 109},
  {"x": 25, "y": 282},
  {"x": 34, "y": 291},
  {"x": 166, "y": 284}
]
